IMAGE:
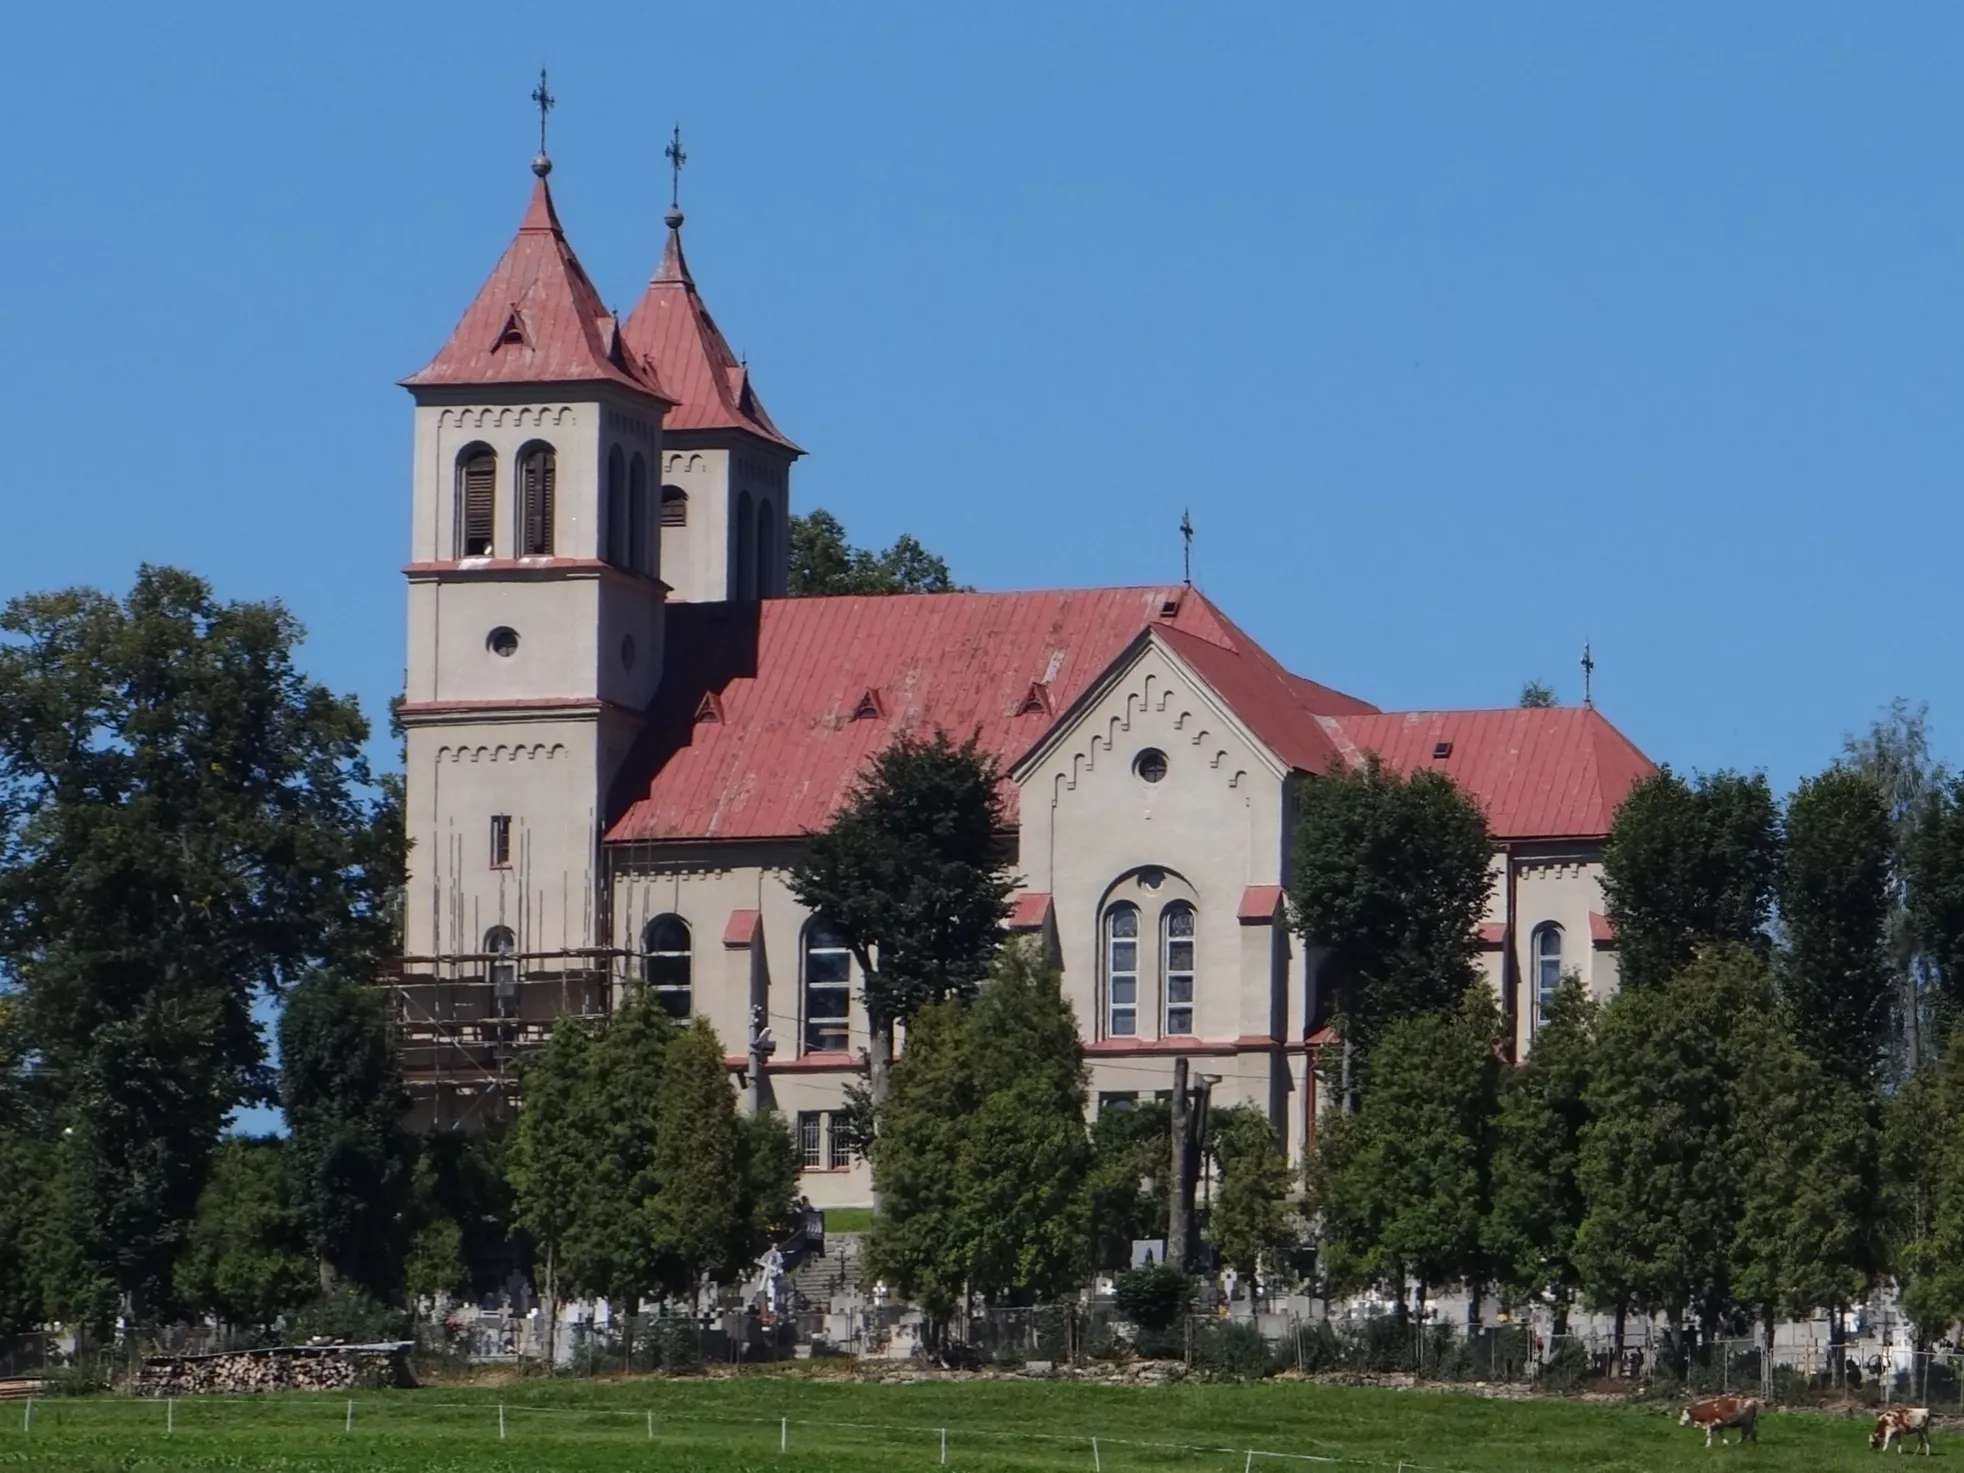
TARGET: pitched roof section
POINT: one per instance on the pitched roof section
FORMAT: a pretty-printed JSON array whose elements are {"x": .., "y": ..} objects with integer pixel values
[
  {"x": 538, "y": 320},
  {"x": 672, "y": 329},
  {"x": 790, "y": 674},
  {"x": 1555, "y": 772}
]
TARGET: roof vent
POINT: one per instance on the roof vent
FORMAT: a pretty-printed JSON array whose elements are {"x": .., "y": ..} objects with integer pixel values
[
  {"x": 1442, "y": 749},
  {"x": 1169, "y": 608},
  {"x": 710, "y": 708},
  {"x": 512, "y": 332},
  {"x": 869, "y": 708},
  {"x": 1036, "y": 700}
]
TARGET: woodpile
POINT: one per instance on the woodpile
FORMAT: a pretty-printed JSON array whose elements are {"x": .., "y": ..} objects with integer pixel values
[{"x": 281, "y": 1368}]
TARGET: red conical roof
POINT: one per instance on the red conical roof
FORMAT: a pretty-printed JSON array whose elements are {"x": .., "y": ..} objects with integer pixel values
[
  {"x": 538, "y": 320},
  {"x": 671, "y": 329}
]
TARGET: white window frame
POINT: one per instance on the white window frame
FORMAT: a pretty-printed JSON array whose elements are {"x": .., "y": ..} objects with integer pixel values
[
  {"x": 1121, "y": 1018},
  {"x": 1544, "y": 991},
  {"x": 658, "y": 968},
  {"x": 835, "y": 1030},
  {"x": 1171, "y": 975}
]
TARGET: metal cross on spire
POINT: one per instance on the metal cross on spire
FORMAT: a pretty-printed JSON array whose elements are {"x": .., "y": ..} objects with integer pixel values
[
  {"x": 676, "y": 159},
  {"x": 1588, "y": 677},
  {"x": 542, "y": 165},
  {"x": 1186, "y": 553}
]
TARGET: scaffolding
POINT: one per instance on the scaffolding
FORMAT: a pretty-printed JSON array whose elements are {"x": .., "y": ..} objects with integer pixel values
[{"x": 465, "y": 1021}]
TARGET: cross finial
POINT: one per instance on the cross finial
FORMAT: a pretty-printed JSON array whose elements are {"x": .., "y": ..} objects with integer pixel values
[
  {"x": 1588, "y": 677},
  {"x": 541, "y": 95},
  {"x": 676, "y": 159},
  {"x": 1186, "y": 552}
]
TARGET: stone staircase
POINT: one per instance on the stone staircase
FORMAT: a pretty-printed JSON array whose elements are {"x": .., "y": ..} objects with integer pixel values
[{"x": 831, "y": 1281}]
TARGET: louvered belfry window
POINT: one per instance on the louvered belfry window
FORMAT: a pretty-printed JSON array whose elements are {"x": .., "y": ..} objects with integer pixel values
[
  {"x": 535, "y": 478},
  {"x": 477, "y": 480}
]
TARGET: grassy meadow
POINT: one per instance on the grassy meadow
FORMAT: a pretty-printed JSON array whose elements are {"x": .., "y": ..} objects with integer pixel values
[{"x": 736, "y": 1425}]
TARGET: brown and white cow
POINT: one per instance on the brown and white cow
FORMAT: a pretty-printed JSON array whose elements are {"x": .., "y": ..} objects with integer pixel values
[
  {"x": 1903, "y": 1422},
  {"x": 1716, "y": 1413}
]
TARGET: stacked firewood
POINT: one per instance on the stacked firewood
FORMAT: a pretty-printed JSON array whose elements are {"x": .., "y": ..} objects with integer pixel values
[{"x": 282, "y": 1368}]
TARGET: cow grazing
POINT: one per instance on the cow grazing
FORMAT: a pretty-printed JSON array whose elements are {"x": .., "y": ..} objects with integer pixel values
[
  {"x": 1716, "y": 1413},
  {"x": 1903, "y": 1422}
]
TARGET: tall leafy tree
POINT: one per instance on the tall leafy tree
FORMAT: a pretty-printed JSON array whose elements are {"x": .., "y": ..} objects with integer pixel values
[
  {"x": 247, "y": 1260},
  {"x": 768, "y": 1205},
  {"x": 1537, "y": 1194},
  {"x": 698, "y": 1207},
  {"x": 824, "y": 562},
  {"x": 1686, "y": 865},
  {"x": 1834, "y": 914},
  {"x": 1131, "y": 1151},
  {"x": 1403, "y": 1185},
  {"x": 1923, "y": 1192},
  {"x": 1391, "y": 876},
  {"x": 552, "y": 1158},
  {"x": 1936, "y": 900},
  {"x": 911, "y": 872},
  {"x": 183, "y": 827},
  {"x": 348, "y": 1155},
  {"x": 1894, "y": 754},
  {"x": 1252, "y": 1224}
]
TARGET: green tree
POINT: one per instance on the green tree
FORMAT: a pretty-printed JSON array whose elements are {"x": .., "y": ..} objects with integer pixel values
[
  {"x": 1894, "y": 754},
  {"x": 1536, "y": 697},
  {"x": 1025, "y": 1205},
  {"x": 553, "y": 1152},
  {"x": 1403, "y": 1184},
  {"x": 698, "y": 1206},
  {"x": 182, "y": 829},
  {"x": 1252, "y": 1226},
  {"x": 911, "y": 874},
  {"x": 1537, "y": 1196},
  {"x": 246, "y": 1260},
  {"x": 1923, "y": 1193},
  {"x": 824, "y": 562},
  {"x": 347, "y": 1153},
  {"x": 1936, "y": 901},
  {"x": 1688, "y": 865},
  {"x": 769, "y": 1153},
  {"x": 1391, "y": 875},
  {"x": 1834, "y": 913},
  {"x": 1131, "y": 1153}
]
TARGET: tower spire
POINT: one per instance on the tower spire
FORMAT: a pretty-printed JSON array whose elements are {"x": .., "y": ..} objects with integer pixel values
[{"x": 542, "y": 165}]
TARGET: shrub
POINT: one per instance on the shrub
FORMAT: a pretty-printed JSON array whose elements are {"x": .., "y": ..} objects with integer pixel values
[
  {"x": 344, "y": 1313},
  {"x": 1565, "y": 1369},
  {"x": 678, "y": 1348},
  {"x": 1232, "y": 1350},
  {"x": 1154, "y": 1297}
]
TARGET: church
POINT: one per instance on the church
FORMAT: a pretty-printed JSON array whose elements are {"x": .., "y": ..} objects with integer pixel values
[{"x": 619, "y": 729}]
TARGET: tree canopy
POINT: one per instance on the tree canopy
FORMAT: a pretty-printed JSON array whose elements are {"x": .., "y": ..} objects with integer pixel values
[{"x": 824, "y": 562}]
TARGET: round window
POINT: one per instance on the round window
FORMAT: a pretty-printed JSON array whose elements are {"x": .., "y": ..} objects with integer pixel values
[
  {"x": 627, "y": 652},
  {"x": 1152, "y": 877},
  {"x": 502, "y": 641},
  {"x": 1150, "y": 764}
]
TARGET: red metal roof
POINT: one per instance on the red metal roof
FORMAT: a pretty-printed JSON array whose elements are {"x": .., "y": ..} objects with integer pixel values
[
  {"x": 1493, "y": 933},
  {"x": 741, "y": 928},
  {"x": 1549, "y": 772},
  {"x": 1602, "y": 930},
  {"x": 672, "y": 329},
  {"x": 790, "y": 674},
  {"x": 1031, "y": 911},
  {"x": 1258, "y": 903},
  {"x": 537, "y": 319}
]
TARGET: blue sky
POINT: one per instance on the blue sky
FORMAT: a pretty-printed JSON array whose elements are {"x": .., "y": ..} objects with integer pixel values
[{"x": 1467, "y": 333}]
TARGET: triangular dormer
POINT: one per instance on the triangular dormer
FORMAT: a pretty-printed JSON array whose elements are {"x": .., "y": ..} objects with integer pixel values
[
  {"x": 512, "y": 334},
  {"x": 710, "y": 708},
  {"x": 869, "y": 707},
  {"x": 1036, "y": 700}
]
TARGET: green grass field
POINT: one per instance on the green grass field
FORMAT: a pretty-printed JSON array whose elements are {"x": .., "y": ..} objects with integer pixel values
[{"x": 735, "y": 1426}]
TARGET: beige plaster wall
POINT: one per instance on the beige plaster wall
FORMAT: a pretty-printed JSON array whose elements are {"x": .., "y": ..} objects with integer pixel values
[{"x": 699, "y": 560}]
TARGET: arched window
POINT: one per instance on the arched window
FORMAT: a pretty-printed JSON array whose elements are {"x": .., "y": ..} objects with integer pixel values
[
  {"x": 746, "y": 548},
  {"x": 1547, "y": 966},
  {"x": 828, "y": 984},
  {"x": 665, "y": 963},
  {"x": 1122, "y": 971},
  {"x": 637, "y": 517},
  {"x": 617, "y": 538},
  {"x": 477, "y": 483},
  {"x": 1176, "y": 940},
  {"x": 674, "y": 507},
  {"x": 503, "y": 949},
  {"x": 536, "y": 473},
  {"x": 766, "y": 549}
]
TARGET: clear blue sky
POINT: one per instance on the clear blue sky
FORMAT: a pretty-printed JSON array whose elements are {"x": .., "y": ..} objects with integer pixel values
[{"x": 1467, "y": 332}]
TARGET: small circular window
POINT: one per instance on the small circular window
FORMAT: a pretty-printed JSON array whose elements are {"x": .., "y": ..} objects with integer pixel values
[
  {"x": 502, "y": 641},
  {"x": 1150, "y": 764},
  {"x": 1152, "y": 877},
  {"x": 627, "y": 652}
]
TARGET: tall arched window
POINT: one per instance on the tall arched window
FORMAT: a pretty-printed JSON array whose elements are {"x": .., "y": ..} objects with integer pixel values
[
  {"x": 477, "y": 486},
  {"x": 746, "y": 548},
  {"x": 503, "y": 971},
  {"x": 617, "y": 539},
  {"x": 637, "y": 517},
  {"x": 766, "y": 550},
  {"x": 828, "y": 989},
  {"x": 1176, "y": 940},
  {"x": 1122, "y": 971},
  {"x": 674, "y": 507},
  {"x": 536, "y": 472},
  {"x": 1547, "y": 966},
  {"x": 665, "y": 963}
]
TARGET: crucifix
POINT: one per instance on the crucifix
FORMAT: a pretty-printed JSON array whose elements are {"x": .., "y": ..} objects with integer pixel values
[
  {"x": 1186, "y": 538},
  {"x": 545, "y": 100},
  {"x": 676, "y": 159},
  {"x": 1588, "y": 676}
]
